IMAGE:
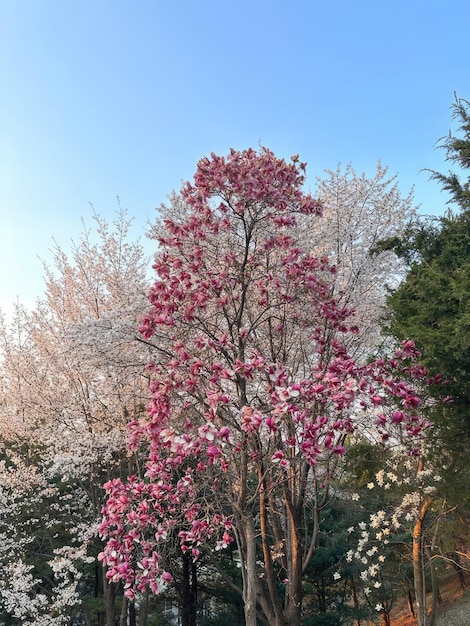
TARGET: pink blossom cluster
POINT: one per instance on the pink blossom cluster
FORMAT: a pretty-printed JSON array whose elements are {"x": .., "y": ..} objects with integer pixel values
[{"x": 246, "y": 179}]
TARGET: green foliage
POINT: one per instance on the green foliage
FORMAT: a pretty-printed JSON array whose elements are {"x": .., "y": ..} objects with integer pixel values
[
  {"x": 327, "y": 599},
  {"x": 432, "y": 307},
  {"x": 364, "y": 460},
  {"x": 457, "y": 152},
  {"x": 94, "y": 604},
  {"x": 433, "y": 304}
]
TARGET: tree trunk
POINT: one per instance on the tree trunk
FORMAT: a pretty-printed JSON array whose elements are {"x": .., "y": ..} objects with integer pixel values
[
  {"x": 357, "y": 621},
  {"x": 459, "y": 570},
  {"x": 275, "y": 600},
  {"x": 418, "y": 563},
  {"x": 123, "y": 616},
  {"x": 132, "y": 615},
  {"x": 320, "y": 587},
  {"x": 385, "y": 619},
  {"x": 189, "y": 592},
  {"x": 86, "y": 616},
  {"x": 144, "y": 608},
  {"x": 293, "y": 606},
  {"x": 409, "y": 600},
  {"x": 110, "y": 591},
  {"x": 251, "y": 578},
  {"x": 435, "y": 588}
]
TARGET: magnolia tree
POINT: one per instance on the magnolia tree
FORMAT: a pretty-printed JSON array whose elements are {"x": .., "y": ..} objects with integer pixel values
[
  {"x": 253, "y": 396},
  {"x": 72, "y": 372}
]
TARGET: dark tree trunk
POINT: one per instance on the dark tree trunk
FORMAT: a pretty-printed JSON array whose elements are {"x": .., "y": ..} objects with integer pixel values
[
  {"x": 409, "y": 600},
  {"x": 418, "y": 563},
  {"x": 385, "y": 619},
  {"x": 132, "y": 615},
  {"x": 357, "y": 621},
  {"x": 460, "y": 572},
  {"x": 123, "y": 616},
  {"x": 189, "y": 592},
  {"x": 436, "y": 596},
  {"x": 144, "y": 608},
  {"x": 110, "y": 592}
]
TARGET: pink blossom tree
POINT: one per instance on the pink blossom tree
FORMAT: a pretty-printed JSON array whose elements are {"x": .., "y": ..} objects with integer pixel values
[{"x": 253, "y": 395}]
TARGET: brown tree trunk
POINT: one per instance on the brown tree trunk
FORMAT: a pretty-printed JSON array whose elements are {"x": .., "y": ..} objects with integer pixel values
[
  {"x": 436, "y": 597},
  {"x": 273, "y": 592},
  {"x": 357, "y": 621},
  {"x": 385, "y": 619},
  {"x": 418, "y": 563},
  {"x": 251, "y": 578},
  {"x": 293, "y": 604}
]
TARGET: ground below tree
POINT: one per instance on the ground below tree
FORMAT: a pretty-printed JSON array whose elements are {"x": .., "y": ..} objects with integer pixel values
[{"x": 453, "y": 610}]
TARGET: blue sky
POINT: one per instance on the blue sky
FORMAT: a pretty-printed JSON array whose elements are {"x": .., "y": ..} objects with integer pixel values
[{"x": 110, "y": 98}]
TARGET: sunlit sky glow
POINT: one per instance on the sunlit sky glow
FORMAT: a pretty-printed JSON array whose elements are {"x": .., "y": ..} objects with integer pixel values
[{"x": 101, "y": 99}]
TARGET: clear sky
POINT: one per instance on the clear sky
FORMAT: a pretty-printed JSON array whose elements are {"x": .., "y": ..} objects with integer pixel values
[{"x": 100, "y": 99}]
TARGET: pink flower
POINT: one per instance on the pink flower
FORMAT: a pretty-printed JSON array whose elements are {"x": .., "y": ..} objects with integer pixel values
[
  {"x": 213, "y": 452},
  {"x": 251, "y": 419}
]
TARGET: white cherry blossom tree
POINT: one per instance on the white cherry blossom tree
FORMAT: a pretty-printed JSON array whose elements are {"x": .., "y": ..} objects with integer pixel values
[{"x": 72, "y": 375}]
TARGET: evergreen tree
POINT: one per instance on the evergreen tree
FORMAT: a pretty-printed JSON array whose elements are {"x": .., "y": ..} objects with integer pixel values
[
  {"x": 432, "y": 305},
  {"x": 457, "y": 152}
]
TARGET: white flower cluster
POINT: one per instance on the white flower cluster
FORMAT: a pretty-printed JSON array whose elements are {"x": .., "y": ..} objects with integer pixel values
[
  {"x": 376, "y": 534},
  {"x": 21, "y": 600}
]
